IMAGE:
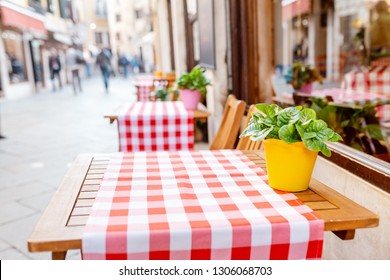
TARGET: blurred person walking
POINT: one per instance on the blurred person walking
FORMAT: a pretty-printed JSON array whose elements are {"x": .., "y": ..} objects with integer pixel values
[
  {"x": 123, "y": 63},
  {"x": 73, "y": 60},
  {"x": 103, "y": 60},
  {"x": 55, "y": 68}
]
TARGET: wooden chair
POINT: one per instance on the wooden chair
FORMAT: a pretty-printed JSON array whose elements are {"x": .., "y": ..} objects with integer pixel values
[
  {"x": 245, "y": 143},
  {"x": 230, "y": 125}
]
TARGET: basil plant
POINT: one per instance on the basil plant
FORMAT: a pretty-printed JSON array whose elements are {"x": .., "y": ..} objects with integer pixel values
[{"x": 292, "y": 124}]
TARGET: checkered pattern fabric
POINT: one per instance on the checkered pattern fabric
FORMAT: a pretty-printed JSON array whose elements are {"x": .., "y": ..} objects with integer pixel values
[
  {"x": 155, "y": 126},
  {"x": 343, "y": 96},
  {"x": 385, "y": 61},
  {"x": 144, "y": 88},
  {"x": 196, "y": 205},
  {"x": 374, "y": 79}
]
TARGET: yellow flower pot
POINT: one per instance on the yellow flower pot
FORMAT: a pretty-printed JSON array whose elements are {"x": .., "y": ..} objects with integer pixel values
[{"x": 289, "y": 166}]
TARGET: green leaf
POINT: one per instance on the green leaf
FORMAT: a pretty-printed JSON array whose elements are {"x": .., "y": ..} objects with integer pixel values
[
  {"x": 261, "y": 135},
  {"x": 308, "y": 135},
  {"x": 288, "y": 115},
  {"x": 289, "y": 134},
  {"x": 307, "y": 115},
  {"x": 266, "y": 110},
  {"x": 375, "y": 131}
]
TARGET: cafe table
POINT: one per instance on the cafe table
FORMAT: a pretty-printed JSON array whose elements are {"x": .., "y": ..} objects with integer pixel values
[
  {"x": 341, "y": 97},
  {"x": 373, "y": 79},
  {"x": 159, "y": 125},
  {"x": 63, "y": 225}
]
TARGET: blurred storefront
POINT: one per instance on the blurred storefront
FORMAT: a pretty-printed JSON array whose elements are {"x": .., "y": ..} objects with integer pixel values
[{"x": 21, "y": 32}]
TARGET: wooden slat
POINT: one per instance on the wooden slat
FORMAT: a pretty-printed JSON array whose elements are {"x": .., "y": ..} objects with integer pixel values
[
  {"x": 84, "y": 202},
  {"x": 90, "y": 188},
  {"x": 81, "y": 211},
  {"x": 94, "y": 176},
  {"x": 77, "y": 221},
  {"x": 92, "y": 182},
  {"x": 320, "y": 205},
  {"x": 84, "y": 195},
  {"x": 313, "y": 197}
]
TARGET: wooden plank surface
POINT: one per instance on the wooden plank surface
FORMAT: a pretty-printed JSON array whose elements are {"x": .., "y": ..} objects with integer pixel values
[{"x": 61, "y": 225}]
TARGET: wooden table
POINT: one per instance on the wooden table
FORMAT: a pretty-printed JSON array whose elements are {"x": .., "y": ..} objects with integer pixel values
[
  {"x": 61, "y": 226},
  {"x": 199, "y": 114}
]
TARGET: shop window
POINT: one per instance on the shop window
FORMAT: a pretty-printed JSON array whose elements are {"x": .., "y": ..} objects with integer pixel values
[
  {"x": 50, "y": 7},
  {"x": 343, "y": 41},
  {"x": 101, "y": 8},
  {"x": 98, "y": 38},
  {"x": 14, "y": 50},
  {"x": 65, "y": 8}
]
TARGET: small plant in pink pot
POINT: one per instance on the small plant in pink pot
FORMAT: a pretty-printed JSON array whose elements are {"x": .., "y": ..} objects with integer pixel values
[
  {"x": 192, "y": 86},
  {"x": 302, "y": 77}
]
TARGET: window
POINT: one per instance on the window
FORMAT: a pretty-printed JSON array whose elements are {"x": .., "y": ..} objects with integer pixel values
[
  {"x": 139, "y": 14},
  {"x": 338, "y": 38},
  {"x": 118, "y": 17},
  {"x": 98, "y": 38},
  {"x": 50, "y": 7},
  {"x": 101, "y": 8},
  {"x": 36, "y": 5},
  {"x": 118, "y": 36},
  {"x": 13, "y": 44}
]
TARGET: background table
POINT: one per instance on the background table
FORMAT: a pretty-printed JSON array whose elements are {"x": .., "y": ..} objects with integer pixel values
[
  {"x": 200, "y": 114},
  {"x": 152, "y": 126},
  {"x": 375, "y": 79},
  {"x": 61, "y": 226}
]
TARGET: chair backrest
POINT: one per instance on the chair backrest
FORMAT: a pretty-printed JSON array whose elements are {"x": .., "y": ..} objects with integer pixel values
[
  {"x": 227, "y": 133},
  {"x": 245, "y": 143}
]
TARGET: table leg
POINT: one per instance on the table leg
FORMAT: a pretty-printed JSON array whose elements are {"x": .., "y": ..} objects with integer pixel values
[
  {"x": 345, "y": 234},
  {"x": 58, "y": 255}
]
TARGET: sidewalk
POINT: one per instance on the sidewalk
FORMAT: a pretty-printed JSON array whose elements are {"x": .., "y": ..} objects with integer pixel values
[{"x": 44, "y": 134}]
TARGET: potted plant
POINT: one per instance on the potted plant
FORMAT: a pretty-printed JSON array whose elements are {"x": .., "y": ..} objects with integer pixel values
[
  {"x": 292, "y": 139},
  {"x": 161, "y": 94},
  {"x": 302, "y": 77},
  {"x": 191, "y": 86}
]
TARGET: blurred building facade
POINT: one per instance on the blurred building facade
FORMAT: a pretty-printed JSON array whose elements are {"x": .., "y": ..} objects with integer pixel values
[
  {"x": 31, "y": 28},
  {"x": 131, "y": 31}
]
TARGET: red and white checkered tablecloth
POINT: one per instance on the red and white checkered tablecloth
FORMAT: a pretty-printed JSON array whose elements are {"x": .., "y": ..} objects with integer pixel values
[
  {"x": 384, "y": 61},
  {"x": 373, "y": 79},
  {"x": 356, "y": 98},
  {"x": 144, "y": 88},
  {"x": 196, "y": 205},
  {"x": 154, "y": 126}
]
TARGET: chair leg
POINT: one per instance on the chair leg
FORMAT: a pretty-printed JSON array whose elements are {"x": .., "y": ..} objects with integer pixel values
[{"x": 58, "y": 255}]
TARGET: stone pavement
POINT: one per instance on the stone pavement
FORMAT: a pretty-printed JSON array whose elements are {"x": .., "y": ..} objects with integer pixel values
[{"x": 44, "y": 134}]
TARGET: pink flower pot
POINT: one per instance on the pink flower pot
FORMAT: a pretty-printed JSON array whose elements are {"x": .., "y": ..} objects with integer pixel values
[
  {"x": 190, "y": 98},
  {"x": 306, "y": 88}
]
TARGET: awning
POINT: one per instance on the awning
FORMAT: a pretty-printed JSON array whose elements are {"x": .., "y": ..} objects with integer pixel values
[
  {"x": 63, "y": 38},
  {"x": 292, "y": 8},
  {"x": 10, "y": 17}
]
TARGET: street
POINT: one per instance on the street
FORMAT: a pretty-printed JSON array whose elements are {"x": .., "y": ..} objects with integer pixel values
[{"x": 43, "y": 135}]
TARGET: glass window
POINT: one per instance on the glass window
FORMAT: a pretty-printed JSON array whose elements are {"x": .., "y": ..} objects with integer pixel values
[
  {"x": 14, "y": 50},
  {"x": 101, "y": 8},
  {"x": 98, "y": 38},
  {"x": 50, "y": 7},
  {"x": 343, "y": 40}
]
